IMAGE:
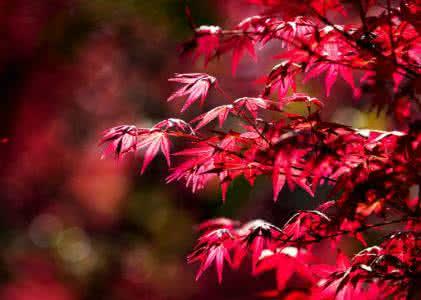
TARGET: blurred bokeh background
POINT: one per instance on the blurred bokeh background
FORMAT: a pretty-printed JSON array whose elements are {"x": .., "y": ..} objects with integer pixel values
[{"x": 73, "y": 226}]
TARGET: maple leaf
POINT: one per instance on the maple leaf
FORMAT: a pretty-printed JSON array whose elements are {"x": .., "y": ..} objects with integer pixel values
[
  {"x": 300, "y": 29},
  {"x": 122, "y": 139},
  {"x": 176, "y": 127},
  {"x": 301, "y": 98},
  {"x": 256, "y": 236},
  {"x": 306, "y": 226},
  {"x": 332, "y": 71},
  {"x": 286, "y": 261},
  {"x": 252, "y": 105},
  {"x": 213, "y": 246},
  {"x": 337, "y": 58},
  {"x": 239, "y": 45},
  {"x": 220, "y": 112},
  {"x": 194, "y": 170},
  {"x": 347, "y": 280},
  {"x": 322, "y": 6},
  {"x": 278, "y": 179},
  {"x": 206, "y": 43},
  {"x": 283, "y": 170},
  {"x": 154, "y": 140},
  {"x": 282, "y": 77},
  {"x": 196, "y": 87}
]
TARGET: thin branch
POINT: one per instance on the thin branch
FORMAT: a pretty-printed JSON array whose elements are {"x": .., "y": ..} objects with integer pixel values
[
  {"x": 345, "y": 232},
  {"x": 352, "y": 42},
  {"x": 362, "y": 12},
  {"x": 250, "y": 122},
  {"x": 390, "y": 29}
]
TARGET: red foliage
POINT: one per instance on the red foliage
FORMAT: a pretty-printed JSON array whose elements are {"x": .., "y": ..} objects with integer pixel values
[
  {"x": 196, "y": 86},
  {"x": 371, "y": 173}
]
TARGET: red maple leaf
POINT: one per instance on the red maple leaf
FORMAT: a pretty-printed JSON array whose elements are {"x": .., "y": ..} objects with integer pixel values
[{"x": 196, "y": 86}]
